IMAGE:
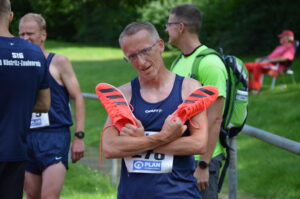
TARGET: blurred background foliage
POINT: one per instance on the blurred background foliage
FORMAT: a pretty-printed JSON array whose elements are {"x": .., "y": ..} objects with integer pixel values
[{"x": 239, "y": 26}]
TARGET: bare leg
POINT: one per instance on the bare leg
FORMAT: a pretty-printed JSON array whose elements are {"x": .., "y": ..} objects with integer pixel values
[
  {"x": 53, "y": 180},
  {"x": 32, "y": 185}
]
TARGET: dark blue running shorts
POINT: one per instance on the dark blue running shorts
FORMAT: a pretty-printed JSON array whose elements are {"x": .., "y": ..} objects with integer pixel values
[{"x": 46, "y": 147}]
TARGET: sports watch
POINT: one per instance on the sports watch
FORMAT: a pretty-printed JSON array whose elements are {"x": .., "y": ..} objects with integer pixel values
[
  {"x": 202, "y": 164},
  {"x": 79, "y": 134}
]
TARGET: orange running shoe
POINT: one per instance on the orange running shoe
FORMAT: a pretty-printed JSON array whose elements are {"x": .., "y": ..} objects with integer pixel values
[
  {"x": 196, "y": 102},
  {"x": 115, "y": 104}
]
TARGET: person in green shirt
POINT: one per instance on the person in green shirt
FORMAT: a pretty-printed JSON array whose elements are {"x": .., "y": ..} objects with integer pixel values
[{"x": 183, "y": 26}]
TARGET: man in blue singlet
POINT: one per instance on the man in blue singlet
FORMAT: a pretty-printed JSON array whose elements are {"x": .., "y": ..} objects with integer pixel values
[
  {"x": 157, "y": 155},
  {"x": 24, "y": 87},
  {"x": 49, "y": 138}
]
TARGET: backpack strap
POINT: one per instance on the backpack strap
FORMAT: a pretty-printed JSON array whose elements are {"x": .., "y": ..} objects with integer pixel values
[
  {"x": 175, "y": 61},
  {"x": 224, "y": 169},
  {"x": 199, "y": 57},
  {"x": 233, "y": 131}
]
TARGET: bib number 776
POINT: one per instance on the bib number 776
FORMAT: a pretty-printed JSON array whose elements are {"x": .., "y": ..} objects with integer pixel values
[{"x": 147, "y": 155}]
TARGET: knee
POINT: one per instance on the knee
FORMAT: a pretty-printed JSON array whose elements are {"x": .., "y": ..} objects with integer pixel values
[
  {"x": 50, "y": 194},
  {"x": 32, "y": 195}
]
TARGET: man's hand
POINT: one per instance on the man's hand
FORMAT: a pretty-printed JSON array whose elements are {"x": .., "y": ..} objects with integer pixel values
[
  {"x": 202, "y": 176},
  {"x": 134, "y": 131},
  {"x": 77, "y": 149},
  {"x": 173, "y": 128}
]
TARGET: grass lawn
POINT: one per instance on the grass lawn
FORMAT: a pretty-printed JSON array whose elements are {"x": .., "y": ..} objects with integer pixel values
[{"x": 264, "y": 171}]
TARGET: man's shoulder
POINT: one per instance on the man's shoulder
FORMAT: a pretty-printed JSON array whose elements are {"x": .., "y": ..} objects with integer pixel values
[
  {"x": 16, "y": 43},
  {"x": 189, "y": 85},
  {"x": 60, "y": 59},
  {"x": 190, "y": 81},
  {"x": 61, "y": 63},
  {"x": 209, "y": 56},
  {"x": 126, "y": 90},
  {"x": 211, "y": 59}
]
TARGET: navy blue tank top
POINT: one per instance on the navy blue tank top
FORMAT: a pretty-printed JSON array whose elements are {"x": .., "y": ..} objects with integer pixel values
[
  {"x": 180, "y": 183},
  {"x": 60, "y": 113}
]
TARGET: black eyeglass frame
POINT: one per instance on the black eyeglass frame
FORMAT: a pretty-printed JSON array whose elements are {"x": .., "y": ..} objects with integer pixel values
[{"x": 167, "y": 24}]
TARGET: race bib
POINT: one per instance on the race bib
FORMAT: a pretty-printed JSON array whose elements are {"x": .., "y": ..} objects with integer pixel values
[
  {"x": 39, "y": 120},
  {"x": 149, "y": 162}
]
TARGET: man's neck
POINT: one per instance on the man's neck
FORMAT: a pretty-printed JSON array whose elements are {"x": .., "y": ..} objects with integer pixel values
[
  {"x": 189, "y": 43},
  {"x": 163, "y": 77},
  {"x": 4, "y": 32},
  {"x": 159, "y": 88},
  {"x": 45, "y": 52}
]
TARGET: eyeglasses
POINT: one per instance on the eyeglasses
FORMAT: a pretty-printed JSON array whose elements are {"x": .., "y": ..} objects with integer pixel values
[
  {"x": 167, "y": 24},
  {"x": 144, "y": 52}
]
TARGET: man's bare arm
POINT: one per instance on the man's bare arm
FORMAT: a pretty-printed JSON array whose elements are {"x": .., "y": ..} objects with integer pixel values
[
  {"x": 116, "y": 145},
  {"x": 43, "y": 101},
  {"x": 70, "y": 81}
]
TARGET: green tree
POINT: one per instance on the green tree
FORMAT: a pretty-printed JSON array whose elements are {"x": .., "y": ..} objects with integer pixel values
[
  {"x": 239, "y": 26},
  {"x": 251, "y": 26}
]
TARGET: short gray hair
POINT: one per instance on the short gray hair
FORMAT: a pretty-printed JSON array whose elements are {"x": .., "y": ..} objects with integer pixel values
[
  {"x": 135, "y": 27},
  {"x": 38, "y": 18}
]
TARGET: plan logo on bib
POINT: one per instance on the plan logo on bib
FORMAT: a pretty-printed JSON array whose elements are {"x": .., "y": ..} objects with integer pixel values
[{"x": 146, "y": 165}]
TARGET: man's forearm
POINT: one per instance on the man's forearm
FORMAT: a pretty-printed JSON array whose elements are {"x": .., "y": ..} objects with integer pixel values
[
  {"x": 79, "y": 113},
  {"x": 115, "y": 146},
  {"x": 213, "y": 138},
  {"x": 179, "y": 146}
]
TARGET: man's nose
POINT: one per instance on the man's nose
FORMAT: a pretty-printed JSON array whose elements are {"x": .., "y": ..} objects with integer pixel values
[
  {"x": 25, "y": 36},
  {"x": 141, "y": 58},
  {"x": 166, "y": 29}
]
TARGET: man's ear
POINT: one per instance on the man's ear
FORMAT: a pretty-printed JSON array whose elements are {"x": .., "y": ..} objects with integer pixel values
[
  {"x": 161, "y": 44},
  {"x": 10, "y": 16},
  {"x": 181, "y": 27},
  {"x": 44, "y": 35}
]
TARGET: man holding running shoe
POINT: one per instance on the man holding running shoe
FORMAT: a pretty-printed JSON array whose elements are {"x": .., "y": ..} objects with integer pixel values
[{"x": 157, "y": 148}]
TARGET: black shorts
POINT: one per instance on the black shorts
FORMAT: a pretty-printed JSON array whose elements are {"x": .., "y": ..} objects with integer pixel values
[{"x": 12, "y": 180}]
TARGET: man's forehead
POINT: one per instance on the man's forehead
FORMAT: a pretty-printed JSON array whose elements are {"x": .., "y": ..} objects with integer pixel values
[
  {"x": 143, "y": 33},
  {"x": 140, "y": 37},
  {"x": 28, "y": 23}
]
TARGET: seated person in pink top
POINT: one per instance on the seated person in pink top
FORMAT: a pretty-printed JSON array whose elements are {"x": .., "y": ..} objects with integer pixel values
[{"x": 283, "y": 53}]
